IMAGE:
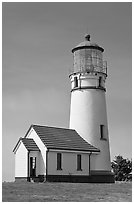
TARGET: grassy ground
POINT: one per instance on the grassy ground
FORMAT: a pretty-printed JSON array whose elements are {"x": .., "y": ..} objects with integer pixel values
[{"x": 71, "y": 192}]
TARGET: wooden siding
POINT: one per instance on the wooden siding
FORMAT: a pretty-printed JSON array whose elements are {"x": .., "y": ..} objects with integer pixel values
[
  {"x": 21, "y": 162},
  {"x": 69, "y": 164}
]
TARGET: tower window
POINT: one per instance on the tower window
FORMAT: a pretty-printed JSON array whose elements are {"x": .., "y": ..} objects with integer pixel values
[
  {"x": 102, "y": 134},
  {"x": 100, "y": 81},
  {"x": 75, "y": 82},
  {"x": 59, "y": 161},
  {"x": 79, "y": 162}
]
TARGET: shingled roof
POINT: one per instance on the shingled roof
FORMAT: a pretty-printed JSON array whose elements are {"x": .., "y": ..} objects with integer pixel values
[
  {"x": 63, "y": 139},
  {"x": 30, "y": 144}
]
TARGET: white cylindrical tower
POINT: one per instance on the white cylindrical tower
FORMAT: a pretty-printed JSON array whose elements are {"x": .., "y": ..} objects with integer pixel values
[{"x": 88, "y": 115}]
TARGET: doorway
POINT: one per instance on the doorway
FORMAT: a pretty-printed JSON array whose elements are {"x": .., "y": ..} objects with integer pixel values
[{"x": 32, "y": 167}]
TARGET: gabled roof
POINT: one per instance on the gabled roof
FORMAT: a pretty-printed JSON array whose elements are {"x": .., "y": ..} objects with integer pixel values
[
  {"x": 28, "y": 143},
  {"x": 63, "y": 139}
]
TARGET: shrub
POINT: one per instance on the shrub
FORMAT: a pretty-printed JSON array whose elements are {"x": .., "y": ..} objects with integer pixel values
[{"x": 122, "y": 168}]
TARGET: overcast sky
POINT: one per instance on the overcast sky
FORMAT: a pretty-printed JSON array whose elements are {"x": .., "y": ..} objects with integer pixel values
[{"x": 37, "y": 42}]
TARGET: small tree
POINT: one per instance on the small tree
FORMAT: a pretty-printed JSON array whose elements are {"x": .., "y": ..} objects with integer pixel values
[{"x": 122, "y": 168}]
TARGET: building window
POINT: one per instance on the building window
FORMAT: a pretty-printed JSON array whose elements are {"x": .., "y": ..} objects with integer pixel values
[
  {"x": 79, "y": 162},
  {"x": 102, "y": 134},
  {"x": 75, "y": 82},
  {"x": 59, "y": 161}
]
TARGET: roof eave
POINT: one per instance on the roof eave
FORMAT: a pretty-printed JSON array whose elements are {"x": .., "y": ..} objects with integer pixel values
[
  {"x": 88, "y": 47},
  {"x": 80, "y": 150},
  {"x": 17, "y": 144},
  {"x": 31, "y": 126},
  {"x": 31, "y": 150}
]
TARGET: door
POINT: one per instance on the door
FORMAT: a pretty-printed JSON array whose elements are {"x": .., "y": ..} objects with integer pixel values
[{"x": 32, "y": 167}]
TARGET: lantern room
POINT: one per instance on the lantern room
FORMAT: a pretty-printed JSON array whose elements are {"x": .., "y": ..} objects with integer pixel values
[{"x": 88, "y": 57}]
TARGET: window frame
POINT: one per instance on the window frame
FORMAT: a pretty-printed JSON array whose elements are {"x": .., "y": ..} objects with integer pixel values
[
  {"x": 100, "y": 81},
  {"x": 79, "y": 162},
  {"x": 75, "y": 82},
  {"x": 59, "y": 161},
  {"x": 102, "y": 135}
]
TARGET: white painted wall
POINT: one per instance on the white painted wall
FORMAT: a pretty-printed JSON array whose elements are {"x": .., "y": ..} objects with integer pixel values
[
  {"x": 87, "y": 113},
  {"x": 42, "y": 155},
  {"x": 21, "y": 163},
  {"x": 69, "y": 163}
]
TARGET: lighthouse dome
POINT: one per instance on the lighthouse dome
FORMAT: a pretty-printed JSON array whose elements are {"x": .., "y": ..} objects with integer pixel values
[{"x": 87, "y": 44}]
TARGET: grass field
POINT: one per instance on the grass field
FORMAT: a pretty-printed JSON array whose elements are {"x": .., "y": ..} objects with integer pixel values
[{"x": 71, "y": 192}]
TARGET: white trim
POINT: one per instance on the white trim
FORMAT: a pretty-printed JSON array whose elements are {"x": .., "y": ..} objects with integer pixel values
[
  {"x": 18, "y": 145},
  {"x": 74, "y": 151}
]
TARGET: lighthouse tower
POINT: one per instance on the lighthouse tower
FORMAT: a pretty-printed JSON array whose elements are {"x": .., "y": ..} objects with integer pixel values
[{"x": 88, "y": 115}]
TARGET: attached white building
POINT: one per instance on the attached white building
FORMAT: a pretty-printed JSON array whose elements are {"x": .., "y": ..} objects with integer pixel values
[
  {"x": 54, "y": 154},
  {"x": 81, "y": 153}
]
